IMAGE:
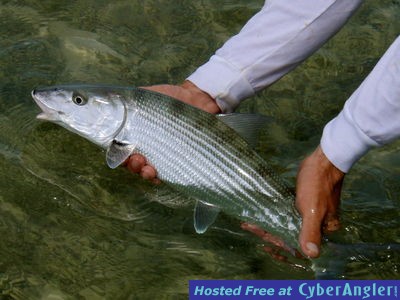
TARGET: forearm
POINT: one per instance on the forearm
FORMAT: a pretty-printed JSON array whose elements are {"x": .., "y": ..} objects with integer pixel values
[
  {"x": 272, "y": 43},
  {"x": 370, "y": 116}
]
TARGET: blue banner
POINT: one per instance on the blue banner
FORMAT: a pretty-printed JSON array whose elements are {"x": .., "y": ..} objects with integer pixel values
[{"x": 293, "y": 289}]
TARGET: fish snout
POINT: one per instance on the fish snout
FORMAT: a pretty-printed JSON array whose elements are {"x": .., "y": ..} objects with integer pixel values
[{"x": 47, "y": 113}]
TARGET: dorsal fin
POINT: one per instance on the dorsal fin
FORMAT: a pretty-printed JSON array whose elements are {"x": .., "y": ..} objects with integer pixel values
[{"x": 246, "y": 125}]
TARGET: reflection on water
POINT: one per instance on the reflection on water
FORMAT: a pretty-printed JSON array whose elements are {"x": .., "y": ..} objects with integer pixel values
[{"x": 73, "y": 228}]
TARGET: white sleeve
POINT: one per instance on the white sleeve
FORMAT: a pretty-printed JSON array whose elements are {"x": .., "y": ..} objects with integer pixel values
[
  {"x": 370, "y": 117},
  {"x": 273, "y": 42}
]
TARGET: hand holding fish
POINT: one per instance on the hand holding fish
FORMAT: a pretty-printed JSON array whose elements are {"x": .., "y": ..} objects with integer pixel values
[
  {"x": 317, "y": 202},
  {"x": 189, "y": 93},
  {"x": 318, "y": 188},
  {"x": 186, "y": 92}
]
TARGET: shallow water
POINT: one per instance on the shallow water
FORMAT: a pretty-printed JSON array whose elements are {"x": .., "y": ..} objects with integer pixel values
[{"x": 74, "y": 229}]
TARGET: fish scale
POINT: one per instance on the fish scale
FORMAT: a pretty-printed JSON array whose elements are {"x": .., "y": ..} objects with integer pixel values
[
  {"x": 211, "y": 157},
  {"x": 193, "y": 151},
  {"x": 208, "y": 155}
]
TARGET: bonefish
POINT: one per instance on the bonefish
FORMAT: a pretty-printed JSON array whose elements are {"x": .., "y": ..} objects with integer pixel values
[{"x": 201, "y": 155}]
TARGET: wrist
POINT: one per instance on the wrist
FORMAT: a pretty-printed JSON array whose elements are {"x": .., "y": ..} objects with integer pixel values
[
  {"x": 224, "y": 81},
  {"x": 200, "y": 98},
  {"x": 326, "y": 165},
  {"x": 190, "y": 86}
]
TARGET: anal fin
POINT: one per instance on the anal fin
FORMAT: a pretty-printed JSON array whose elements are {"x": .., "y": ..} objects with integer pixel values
[{"x": 204, "y": 215}]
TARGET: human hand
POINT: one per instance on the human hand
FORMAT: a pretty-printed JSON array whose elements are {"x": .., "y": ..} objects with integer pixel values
[
  {"x": 318, "y": 188},
  {"x": 186, "y": 92},
  {"x": 274, "y": 243},
  {"x": 189, "y": 93}
]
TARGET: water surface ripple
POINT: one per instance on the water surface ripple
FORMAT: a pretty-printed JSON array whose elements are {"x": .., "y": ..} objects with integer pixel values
[{"x": 72, "y": 228}]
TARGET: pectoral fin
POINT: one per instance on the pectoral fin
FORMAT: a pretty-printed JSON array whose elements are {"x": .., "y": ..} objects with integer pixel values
[
  {"x": 204, "y": 216},
  {"x": 117, "y": 153}
]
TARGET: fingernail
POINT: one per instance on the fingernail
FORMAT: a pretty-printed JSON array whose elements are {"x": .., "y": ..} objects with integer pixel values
[{"x": 312, "y": 249}]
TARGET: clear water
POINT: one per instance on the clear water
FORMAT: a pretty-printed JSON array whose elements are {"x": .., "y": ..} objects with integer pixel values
[{"x": 73, "y": 229}]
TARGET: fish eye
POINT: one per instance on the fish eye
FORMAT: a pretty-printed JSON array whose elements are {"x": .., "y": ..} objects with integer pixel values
[{"x": 79, "y": 100}]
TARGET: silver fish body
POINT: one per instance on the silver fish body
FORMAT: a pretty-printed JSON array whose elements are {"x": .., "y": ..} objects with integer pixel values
[{"x": 195, "y": 152}]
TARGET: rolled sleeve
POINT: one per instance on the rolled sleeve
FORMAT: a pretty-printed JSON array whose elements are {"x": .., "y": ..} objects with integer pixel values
[
  {"x": 271, "y": 44},
  {"x": 370, "y": 117}
]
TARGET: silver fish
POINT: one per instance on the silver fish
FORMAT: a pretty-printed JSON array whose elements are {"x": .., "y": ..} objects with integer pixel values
[{"x": 201, "y": 155}]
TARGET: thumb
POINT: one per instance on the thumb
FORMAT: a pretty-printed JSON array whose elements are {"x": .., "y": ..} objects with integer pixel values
[{"x": 310, "y": 234}]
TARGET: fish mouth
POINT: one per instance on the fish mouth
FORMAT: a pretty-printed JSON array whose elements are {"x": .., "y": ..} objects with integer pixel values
[{"x": 47, "y": 113}]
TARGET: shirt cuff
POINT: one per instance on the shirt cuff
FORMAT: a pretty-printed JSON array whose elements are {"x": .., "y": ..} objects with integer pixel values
[
  {"x": 224, "y": 82},
  {"x": 344, "y": 143}
]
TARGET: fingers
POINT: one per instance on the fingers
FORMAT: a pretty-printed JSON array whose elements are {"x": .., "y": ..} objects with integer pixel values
[
  {"x": 318, "y": 188},
  {"x": 148, "y": 172},
  {"x": 316, "y": 221},
  {"x": 331, "y": 223},
  {"x": 271, "y": 239},
  {"x": 266, "y": 236},
  {"x": 253, "y": 229},
  {"x": 310, "y": 234},
  {"x": 136, "y": 163}
]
